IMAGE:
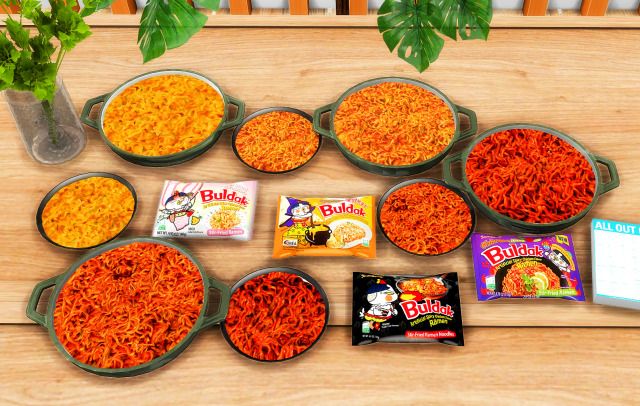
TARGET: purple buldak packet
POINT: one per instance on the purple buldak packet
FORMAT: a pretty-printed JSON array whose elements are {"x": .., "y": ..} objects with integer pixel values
[{"x": 526, "y": 267}]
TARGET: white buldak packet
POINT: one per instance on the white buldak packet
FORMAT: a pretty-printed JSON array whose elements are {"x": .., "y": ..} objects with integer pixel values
[{"x": 206, "y": 210}]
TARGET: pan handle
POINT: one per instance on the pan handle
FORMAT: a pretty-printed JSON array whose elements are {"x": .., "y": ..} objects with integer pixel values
[
  {"x": 221, "y": 313},
  {"x": 88, "y": 106},
  {"x": 239, "y": 113},
  {"x": 317, "y": 117},
  {"x": 473, "y": 123},
  {"x": 32, "y": 305},
  {"x": 447, "y": 174},
  {"x": 614, "y": 182}
]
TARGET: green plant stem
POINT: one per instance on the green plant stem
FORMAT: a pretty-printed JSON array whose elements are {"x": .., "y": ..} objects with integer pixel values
[
  {"x": 59, "y": 60},
  {"x": 51, "y": 122}
]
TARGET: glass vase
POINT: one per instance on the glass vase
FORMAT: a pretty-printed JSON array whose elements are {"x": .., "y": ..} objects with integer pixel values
[{"x": 51, "y": 131}]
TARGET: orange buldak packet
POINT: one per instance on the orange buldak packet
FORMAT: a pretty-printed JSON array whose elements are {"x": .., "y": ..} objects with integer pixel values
[{"x": 316, "y": 226}]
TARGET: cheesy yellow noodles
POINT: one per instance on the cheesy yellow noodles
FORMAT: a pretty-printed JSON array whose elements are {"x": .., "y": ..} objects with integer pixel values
[
  {"x": 163, "y": 115},
  {"x": 88, "y": 212}
]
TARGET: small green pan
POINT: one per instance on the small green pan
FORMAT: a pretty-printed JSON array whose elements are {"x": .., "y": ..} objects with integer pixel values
[
  {"x": 394, "y": 170},
  {"x": 523, "y": 226},
  {"x": 57, "y": 282},
  {"x": 170, "y": 159}
]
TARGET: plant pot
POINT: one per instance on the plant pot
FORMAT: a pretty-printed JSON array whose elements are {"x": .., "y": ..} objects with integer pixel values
[{"x": 51, "y": 132}]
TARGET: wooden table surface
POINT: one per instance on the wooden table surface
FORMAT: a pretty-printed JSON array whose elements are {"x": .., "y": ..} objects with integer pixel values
[{"x": 583, "y": 82}]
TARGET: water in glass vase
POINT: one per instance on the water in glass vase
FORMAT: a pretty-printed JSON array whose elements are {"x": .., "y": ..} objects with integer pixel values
[{"x": 51, "y": 132}]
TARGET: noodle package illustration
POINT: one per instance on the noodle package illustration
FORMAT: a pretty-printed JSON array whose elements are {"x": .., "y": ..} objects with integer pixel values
[
  {"x": 526, "y": 267},
  {"x": 325, "y": 227},
  {"x": 206, "y": 210},
  {"x": 406, "y": 309}
]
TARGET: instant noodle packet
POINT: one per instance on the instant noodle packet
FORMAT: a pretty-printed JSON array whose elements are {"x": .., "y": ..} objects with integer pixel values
[
  {"x": 406, "y": 309},
  {"x": 206, "y": 210},
  {"x": 526, "y": 267},
  {"x": 325, "y": 227}
]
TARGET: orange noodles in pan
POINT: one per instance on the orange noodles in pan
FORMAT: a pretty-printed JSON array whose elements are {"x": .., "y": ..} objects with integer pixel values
[
  {"x": 275, "y": 316},
  {"x": 525, "y": 280},
  {"x": 163, "y": 115},
  {"x": 426, "y": 219},
  {"x": 530, "y": 175},
  {"x": 88, "y": 212},
  {"x": 394, "y": 123},
  {"x": 129, "y": 305},
  {"x": 277, "y": 141}
]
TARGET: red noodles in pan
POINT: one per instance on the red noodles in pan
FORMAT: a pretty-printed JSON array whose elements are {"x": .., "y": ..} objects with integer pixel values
[
  {"x": 531, "y": 176},
  {"x": 275, "y": 316}
]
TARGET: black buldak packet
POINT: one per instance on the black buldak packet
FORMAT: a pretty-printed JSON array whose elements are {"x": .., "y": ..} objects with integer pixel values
[{"x": 406, "y": 309}]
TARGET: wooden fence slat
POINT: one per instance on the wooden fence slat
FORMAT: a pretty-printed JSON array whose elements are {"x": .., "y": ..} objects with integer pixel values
[
  {"x": 298, "y": 7},
  {"x": 358, "y": 7},
  {"x": 342, "y": 7},
  {"x": 594, "y": 7},
  {"x": 240, "y": 7},
  {"x": 13, "y": 9},
  {"x": 124, "y": 7},
  {"x": 535, "y": 7}
]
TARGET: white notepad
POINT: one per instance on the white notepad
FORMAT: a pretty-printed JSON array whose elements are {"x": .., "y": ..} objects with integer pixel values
[{"x": 616, "y": 263}]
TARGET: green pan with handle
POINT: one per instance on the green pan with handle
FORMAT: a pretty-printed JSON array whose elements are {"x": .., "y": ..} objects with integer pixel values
[
  {"x": 169, "y": 159},
  {"x": 394, "y": 170},
  {"x": 206, "y": 318},
  {"x": 519, "y": 225}
]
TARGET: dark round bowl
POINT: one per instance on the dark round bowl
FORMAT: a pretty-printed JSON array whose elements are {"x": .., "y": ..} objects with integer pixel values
[
  {"x": 74, "y": 179},
  {"x": 293, "y": 271},
  {"x": 269, "y": 110},
  {"x": 456, "y": 190}
]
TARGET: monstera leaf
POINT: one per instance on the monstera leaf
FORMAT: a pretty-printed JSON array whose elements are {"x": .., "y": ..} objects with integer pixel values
[
  {"x": 412, "y": 26},
  {"x": 471, "y": 15},
  {"x": 409, "y": 26}
]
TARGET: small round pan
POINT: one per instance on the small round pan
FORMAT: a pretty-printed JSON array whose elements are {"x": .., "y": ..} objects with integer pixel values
[
  {"x": 456, "y": 190},
  {"x": 74, "y": 179},
  {"x": 293, "y": 271},
  {"x": 265, "y": 111}
]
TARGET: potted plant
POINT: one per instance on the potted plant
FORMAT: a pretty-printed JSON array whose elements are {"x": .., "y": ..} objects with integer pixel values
[{"x": 30, "y": 62}]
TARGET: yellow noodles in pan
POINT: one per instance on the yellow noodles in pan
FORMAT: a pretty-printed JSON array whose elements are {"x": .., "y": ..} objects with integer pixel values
[
  {"x": 163, "y": 115},
  {"x": 88, "y": 212}
]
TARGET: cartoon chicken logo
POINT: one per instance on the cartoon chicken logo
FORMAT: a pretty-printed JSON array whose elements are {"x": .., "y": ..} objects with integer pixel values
[
  {"x": 178, "y": 210},
  {"x": 381, "y": 297}
]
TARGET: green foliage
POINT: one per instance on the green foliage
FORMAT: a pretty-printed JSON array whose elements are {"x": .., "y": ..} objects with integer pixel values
[
  {"x": 26, "y": 58},
  {"x": 167, "y": 25},
  {"x": 412, "y": 26}
]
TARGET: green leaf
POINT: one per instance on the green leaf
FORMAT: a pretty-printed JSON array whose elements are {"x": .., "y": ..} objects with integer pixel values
[
  {"x": 167, "y": 25},
  {"x": 91, "y": 6},
  {"x": 9, "y": 55},
  {"x": 39, "y": 78},
  {"x": 69, "y": 26},
  {"x": 212, "y": 5},
  {"x": 18, "y": 33},
  {"x": 29, "y": 8},
  {"x": 471, "y": 18},
  {"x": 409, "y": 26},
  {"x": 42, "y": 48}
]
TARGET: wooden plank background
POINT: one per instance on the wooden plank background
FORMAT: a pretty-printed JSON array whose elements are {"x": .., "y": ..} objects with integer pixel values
[{"x": 583, "y": 82}]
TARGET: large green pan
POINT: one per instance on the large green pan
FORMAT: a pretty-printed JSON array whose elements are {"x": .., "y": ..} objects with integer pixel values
[
  {"x": 523, "y": 226},
  {"x": 397, "y": 170},
  {"x": 204, "y": 320},
  {"x": 170, "y": 159}
]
